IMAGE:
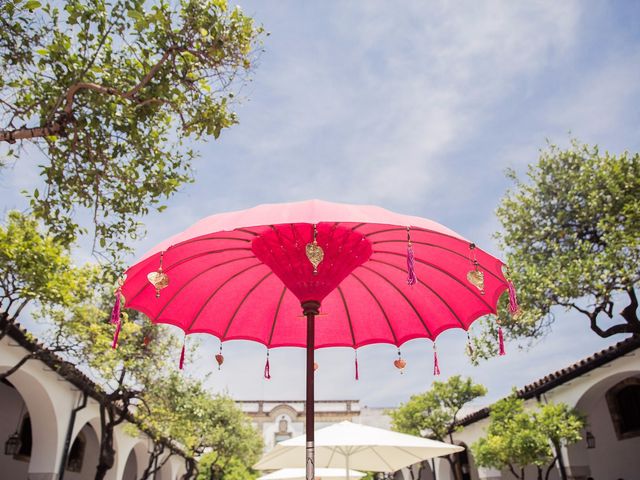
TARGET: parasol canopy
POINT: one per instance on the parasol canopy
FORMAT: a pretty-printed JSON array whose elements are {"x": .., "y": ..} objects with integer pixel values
[
  {"x": 243, "y": 275},
  {"x": 359, "y": 274},
  {"x": 299, "y": 474},
  {"x": 351, "y": 445}
]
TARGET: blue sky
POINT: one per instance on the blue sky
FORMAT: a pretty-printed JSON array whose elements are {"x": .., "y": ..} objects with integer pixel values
[{"x": 418, "y": 107}]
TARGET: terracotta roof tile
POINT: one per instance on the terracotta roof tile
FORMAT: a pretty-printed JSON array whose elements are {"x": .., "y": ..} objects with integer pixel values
[{"x": 552, "y": 380}]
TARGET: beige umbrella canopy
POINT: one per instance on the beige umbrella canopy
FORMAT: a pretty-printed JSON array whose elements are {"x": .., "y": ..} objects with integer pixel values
[
  {"x": 349, "y": 445},
  {"x": 321, "y": 473}
]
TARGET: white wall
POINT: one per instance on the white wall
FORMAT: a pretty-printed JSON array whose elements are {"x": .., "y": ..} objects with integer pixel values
[
  {"x": 11, "y": 404},
  {"x": 49, "y": 399},
  {"x": 611, "y": 459}
]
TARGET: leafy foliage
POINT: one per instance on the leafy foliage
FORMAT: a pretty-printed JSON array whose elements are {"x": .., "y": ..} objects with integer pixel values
[
  {"x": 517, "y": 438},
  {"x": 114, "y": 88},
  {"x": 126, "y": 373},
  {"x": 436, "y": 410},
  {"x": 571, "y": 234},
  {"x": 182, "y": 409},
  {"x": 36, "y": 268}
]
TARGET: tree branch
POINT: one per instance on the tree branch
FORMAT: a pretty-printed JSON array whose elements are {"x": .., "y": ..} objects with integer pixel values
[
  {"x": 16, "y": 367},
  {"x": 56, "y": 127}
]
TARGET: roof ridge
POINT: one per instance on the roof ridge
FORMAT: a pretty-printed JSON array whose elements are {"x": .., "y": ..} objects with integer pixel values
[
  {"x": 563, "y": 375},
  {"x": 72, "y": 374}
]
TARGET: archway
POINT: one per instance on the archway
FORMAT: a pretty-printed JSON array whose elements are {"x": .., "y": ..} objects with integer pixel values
[
  {"x": 27, "y": 393},
  {"x": 82, "y": 459},
  {"x": 15, "y": 423},
  {"x": 465, "y": 464},
  {"x": 131, "y": 467},
  {"x": 604, "y": 455}
]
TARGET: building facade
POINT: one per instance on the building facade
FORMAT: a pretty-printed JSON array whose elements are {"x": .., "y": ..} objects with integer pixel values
[
  {"x": 50, "y": 422},
  {"x": 604, "y": 387}
]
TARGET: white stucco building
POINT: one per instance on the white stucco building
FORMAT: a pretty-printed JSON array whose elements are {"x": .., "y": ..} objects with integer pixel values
[
  {"x": 605, "y": 387},
  {"x": 37, "y": 405}
]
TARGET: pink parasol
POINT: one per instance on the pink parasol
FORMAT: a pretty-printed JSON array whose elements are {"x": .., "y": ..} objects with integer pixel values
[{"x": 374, "y": 276}]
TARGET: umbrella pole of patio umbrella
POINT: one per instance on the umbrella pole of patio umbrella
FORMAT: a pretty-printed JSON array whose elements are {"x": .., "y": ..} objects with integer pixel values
[{"x": 310, "y": 310}]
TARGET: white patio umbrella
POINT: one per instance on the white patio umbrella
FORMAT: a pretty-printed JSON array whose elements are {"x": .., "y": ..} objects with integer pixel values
[
  {"x": 321, "y": 473},
  {"x": 350, "y": 445}
]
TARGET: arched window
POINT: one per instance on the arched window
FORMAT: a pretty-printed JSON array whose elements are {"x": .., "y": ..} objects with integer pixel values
[
  {"x": 76, "y": 454},
  {"x": 25, "y": 439},
  {"x": 282, "y": 433},
  {"x": 624, "y": 405}
]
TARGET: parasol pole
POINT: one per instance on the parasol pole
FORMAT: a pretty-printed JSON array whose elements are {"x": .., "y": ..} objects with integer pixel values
[{"x": 310, "y": 310}]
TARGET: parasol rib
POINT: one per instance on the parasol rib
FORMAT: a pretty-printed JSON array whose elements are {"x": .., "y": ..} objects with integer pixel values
[
  {"x": 192, "y": 257},
  {"x": 441, "y": 248},
  {"x": 244, "y": 299},
  {"x": 474, "y": 291},
  {"x": 415, "y": 310},
  {"x": 418, "y": 229},
  {"x": 204, "y": 238},
  {"x": 390, "y": 468},
  {"x": 346, "y": 311},
  {"x": 246, "y": 231},
  {"x": 192, "y": 279},
  {"x": 393, "y": 334},
  {"x": 235, "y": 275},
  {"x": 275, "y": 316},
  {"x": 445, "y": 303}
]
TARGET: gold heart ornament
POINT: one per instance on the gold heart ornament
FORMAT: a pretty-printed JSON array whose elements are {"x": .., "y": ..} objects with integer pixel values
[
  {"x": 315, "y": 254},
  {"x": 476, "y": 278},
  {"x": 159, "y": 280}
]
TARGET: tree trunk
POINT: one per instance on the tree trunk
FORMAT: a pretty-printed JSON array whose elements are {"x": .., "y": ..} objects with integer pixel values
[
  {"x": 192, "y": 469},
  {"x": 546, "y": 477},
  {"x": 513, "y": 472},
  {"x": 454, "y": 471},
  {"x": 560, "y": 459},
  {"x": 453, "y": 462},
  {"x": 629, "y": 313},
  {"x": 107, "y": 456},
  {"x": 152, "y": 466}
]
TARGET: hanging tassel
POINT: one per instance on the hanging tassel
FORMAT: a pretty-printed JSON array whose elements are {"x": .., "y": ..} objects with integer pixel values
[
  {"x": 500, "y": 340},
  {"x": 469, "y": 345},
  {"x": 182, "y": 354},
  {"x": 267, "y": 369},
  {"x": 411, "y": 261},
  {"x": 115, "y": 312},
  {"x": 514, "y": 308},
  {"x": 357, "y": 375},
  {"x": 114, "y": 344},
  {"x": 436, "y": 367}
]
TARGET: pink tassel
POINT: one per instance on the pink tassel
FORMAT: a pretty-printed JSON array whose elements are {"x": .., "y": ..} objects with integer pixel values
[
  {"x": 182, "y": 356},
  {"x": 115, "y": 312},
  {"x": 114, "y": 344},
  {"x": 514, "y": 308},
  {"x": 411, "y": 266},
  {"x": 357, "y": 375},
  {"x": 436, "y": 367},
  {"x": 501, "y": 341},
  {"x": 267, "y": 369}
]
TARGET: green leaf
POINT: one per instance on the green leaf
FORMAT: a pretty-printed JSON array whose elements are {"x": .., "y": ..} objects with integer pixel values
[{"x": 32, "y": 4}]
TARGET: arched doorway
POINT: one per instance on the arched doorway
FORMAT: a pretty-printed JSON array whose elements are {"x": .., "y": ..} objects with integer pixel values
[
  {"x": 611, "y": 439},
  {"x": 82, "y": 459},
  {"x": 15, "y": 433},
  {"x": 131, "y": 467},
  {"x": 465, "y": 464}
]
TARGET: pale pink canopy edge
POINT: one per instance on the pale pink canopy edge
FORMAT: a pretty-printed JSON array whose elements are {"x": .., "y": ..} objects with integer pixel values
[{"x": 309, "y": 211}]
